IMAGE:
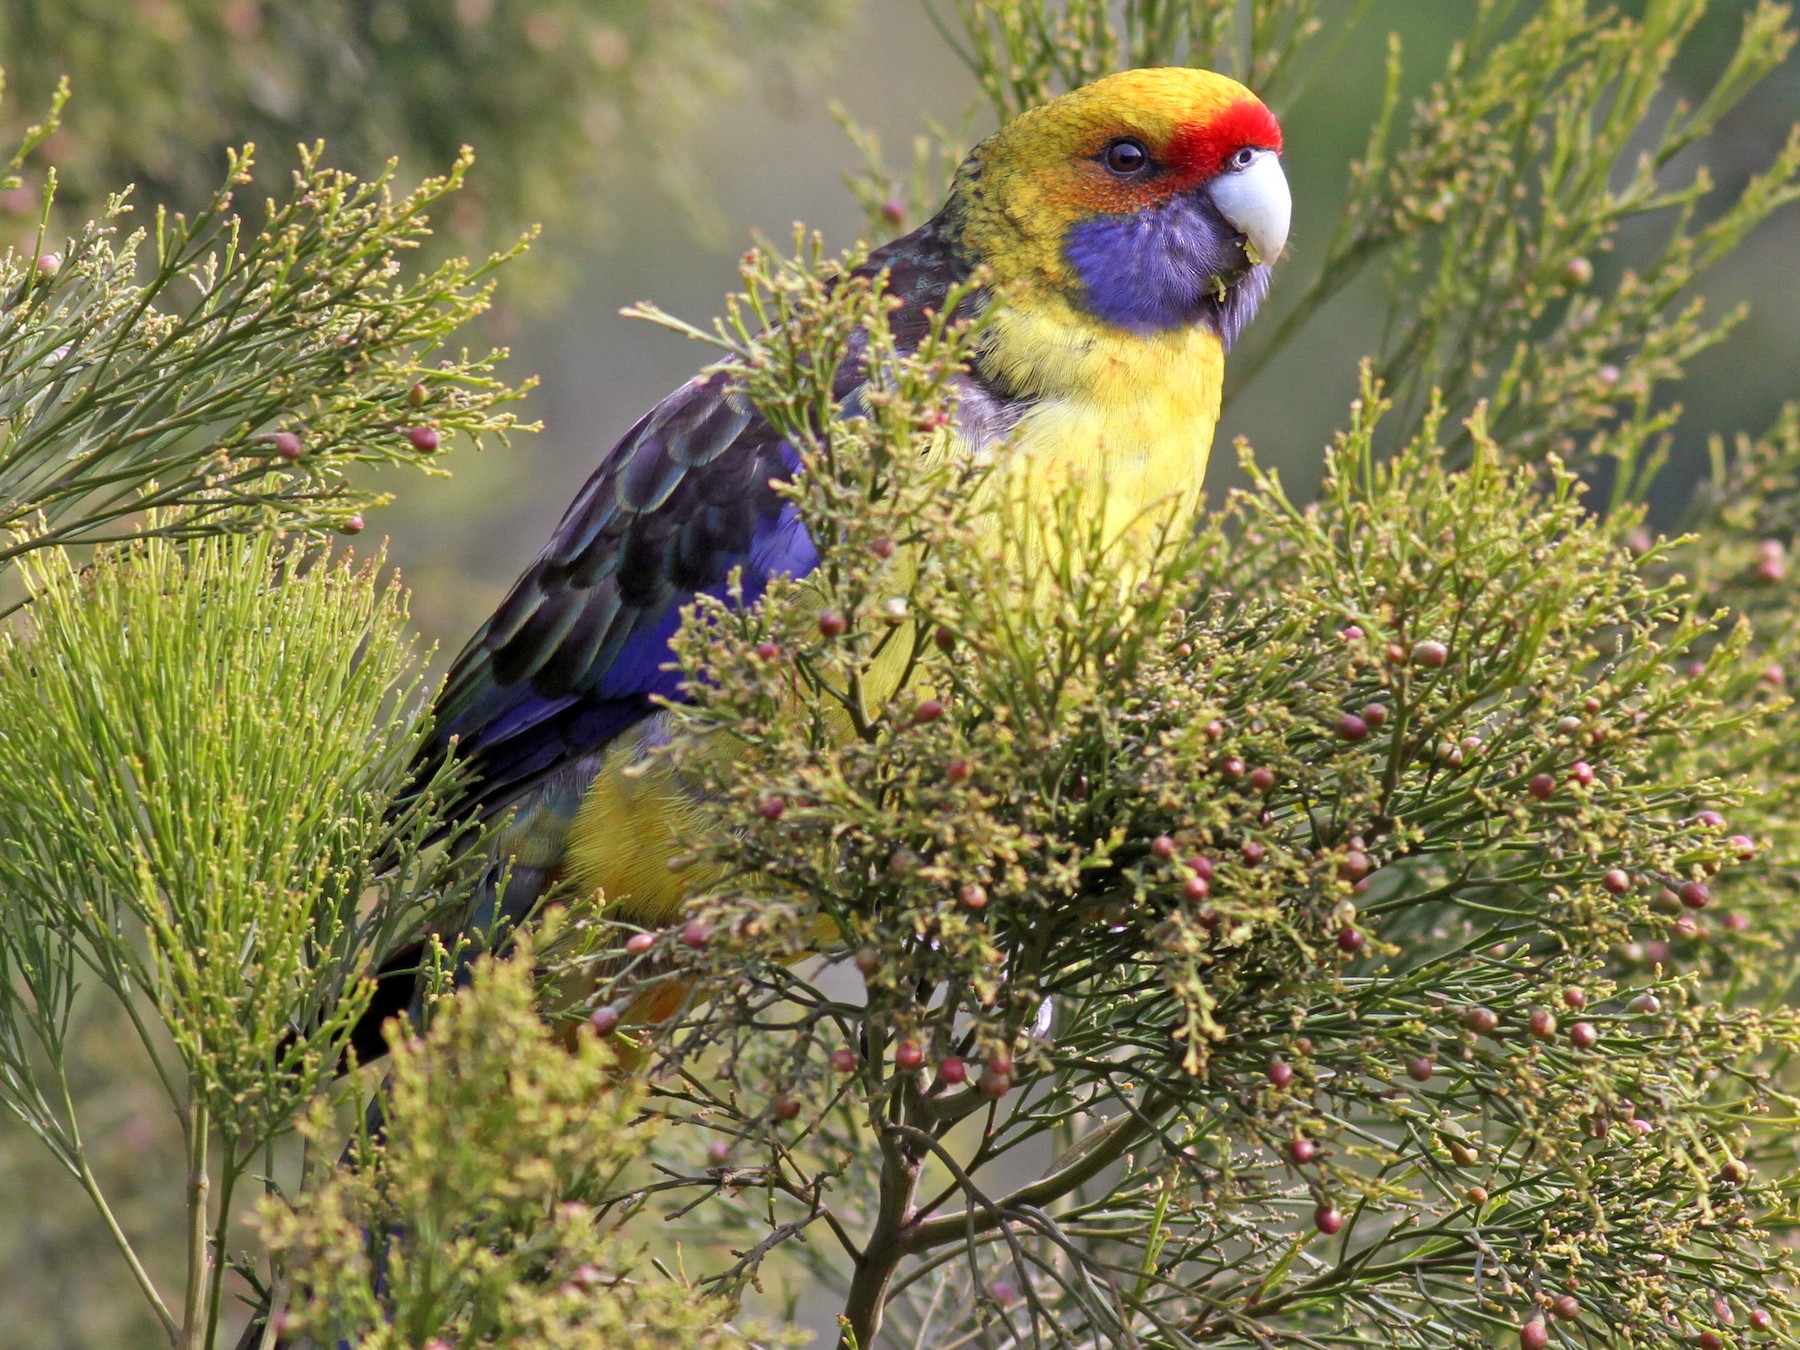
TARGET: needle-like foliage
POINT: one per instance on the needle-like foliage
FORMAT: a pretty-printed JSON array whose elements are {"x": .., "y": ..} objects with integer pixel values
[{"x": 478, "y": 1200}]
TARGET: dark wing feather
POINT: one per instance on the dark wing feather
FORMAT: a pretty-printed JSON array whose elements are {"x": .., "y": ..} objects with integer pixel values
[{"x": 576, "y": 652}]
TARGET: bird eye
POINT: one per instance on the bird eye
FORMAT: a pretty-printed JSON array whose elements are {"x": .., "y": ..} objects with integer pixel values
[
  {"x": 1125, "y": 157},
  {"x": 1243, "y": 159}
]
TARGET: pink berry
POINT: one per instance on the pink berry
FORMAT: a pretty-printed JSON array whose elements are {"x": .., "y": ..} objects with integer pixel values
[
  {"x": 1302, "y": 1151},
  {"x": 1420, "y": 1069},
  {"x": 1281, "y": 1074},
  {"x": 1262, "y": 778},
  {"x": 1542, "y": 786},
  {"x": 1350, "y": 941},
  {"x": 424, "y": 439},
  {"x": 354, "y": 525},
  {"x": 1581, "y": 772},
  {"x": 1575, "y": 998},
  {"x": 1696, "y": 895},
  {"x": 1201, "y": 866},
  {"x": 1482, "y": 1021},
  {"x": 1195, "y": 889},
  {"x": 972, "y": 897},
  {"x": 958, "y": 770},
  {"x": 1355, "y": 864},
  {"x": 604, "y": 1021},
  {"x": 1430, "y": 654},
  {"x": 1328, "y": 1219},
  {"x": 929, "y": 710},
  {"x": 1542, "y": 1024},
  {"x": 1252, "y": 853},
  {"x": 952, "y": 1070},
  {"x": 882, "y": 548},
  {"x": 1760, "y": 1319},
  {"x": 771, "y": 808},
  {"x": 1231, "y": 768},
  {"x": 1349, "y": 633},
  {"x": 1617, "y": 880},
  {"x": 995, "y": 1085},
  {"x": 719, "y": 1151},
  {"x": 1352, "y": 728},
  {"x": 1375, "y": 714},
  {"x": 1583, "y": 1036},
  {"x": 1711, "y": 819},
  {"x": 289, "y": 446},
  {"x": 843, "y": 1059},
  {"x": 832, "y": 624},
  {"x": 694, "y": 934},
  {"x": 1534, "y": 1335},
  {"x": 767, "y": 651},
  {"x": 639, "y": 943},
  {"x": 786, "y": 1108},
  {"x": 908, "y": 1056},
  {"x": 1003, "y": 1293},
  {"x": 1568, "y": 1307},
  {"x": 1742, "y": 845},
  {"x": 1162, "y": 847}
]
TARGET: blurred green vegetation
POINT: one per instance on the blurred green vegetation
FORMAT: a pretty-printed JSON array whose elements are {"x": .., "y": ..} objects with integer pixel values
[{"x": 562, "y": 91}]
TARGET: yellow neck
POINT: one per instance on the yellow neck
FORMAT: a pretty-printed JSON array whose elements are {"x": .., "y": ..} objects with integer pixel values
[{"x": 1129, "y": 414}]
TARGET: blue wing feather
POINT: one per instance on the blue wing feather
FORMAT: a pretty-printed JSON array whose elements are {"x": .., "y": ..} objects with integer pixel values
[{"x": 577, "y": 652}]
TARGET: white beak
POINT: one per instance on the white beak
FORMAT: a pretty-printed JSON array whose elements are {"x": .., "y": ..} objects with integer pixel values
[{"x": 1255, "y": 202}]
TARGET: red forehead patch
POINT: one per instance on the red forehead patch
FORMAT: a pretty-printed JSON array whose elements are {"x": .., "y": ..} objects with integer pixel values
[{"x": 1200, "y": 149}]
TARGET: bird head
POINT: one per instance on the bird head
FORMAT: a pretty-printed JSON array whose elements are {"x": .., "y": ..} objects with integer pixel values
[{"x": 1149, "y": 200}]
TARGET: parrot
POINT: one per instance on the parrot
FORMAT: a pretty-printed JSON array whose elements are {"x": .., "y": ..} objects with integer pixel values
[{"x": 1125, "y": 233}]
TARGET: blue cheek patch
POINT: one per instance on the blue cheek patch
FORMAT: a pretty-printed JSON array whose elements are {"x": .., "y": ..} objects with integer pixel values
[{"x": 1158, "y": 269}]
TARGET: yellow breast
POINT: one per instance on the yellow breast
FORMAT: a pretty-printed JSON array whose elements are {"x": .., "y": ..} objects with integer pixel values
[{"x": 1128, "y": 415}]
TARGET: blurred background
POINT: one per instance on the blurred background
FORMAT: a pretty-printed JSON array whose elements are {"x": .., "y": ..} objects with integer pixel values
[{"x": 653, "y": 139}]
